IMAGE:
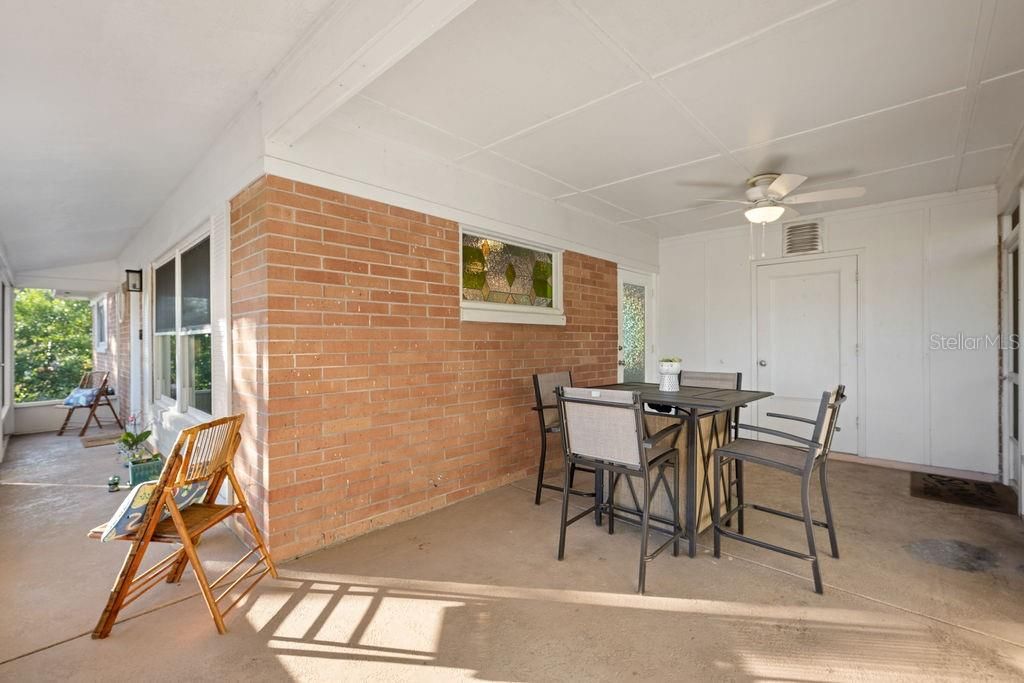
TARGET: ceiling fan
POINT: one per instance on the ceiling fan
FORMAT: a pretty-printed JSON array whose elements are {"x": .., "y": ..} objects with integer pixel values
[{"x": 769, "y": 196}]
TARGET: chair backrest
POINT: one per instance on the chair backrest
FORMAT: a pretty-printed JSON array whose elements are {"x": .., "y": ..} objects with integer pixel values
[
  {"x": 544, "y": 386},
  {"x": 712, "y": 380},
  {"x": 94, "y": 379},
  {"x": 828, "y": 419},
  {"x": 602, "y": 424},
  {"x": 204, "y": 451}
]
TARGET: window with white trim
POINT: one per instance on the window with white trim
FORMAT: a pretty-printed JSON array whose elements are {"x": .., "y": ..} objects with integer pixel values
[
  {"x": 99, "y": 323},
  {"x": 182, "y": 370},
  {"x": 504, "y": 281}
]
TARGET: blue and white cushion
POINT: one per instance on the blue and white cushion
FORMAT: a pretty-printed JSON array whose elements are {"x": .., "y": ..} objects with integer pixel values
[
  {"x": 80, "y": 398},
  {"x": 128, "y": 517}
]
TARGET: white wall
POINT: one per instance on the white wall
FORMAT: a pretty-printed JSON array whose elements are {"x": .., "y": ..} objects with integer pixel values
[
  {"x": 335, "y": 157},
  {"x": 47, "y": 416},
  {"x": 926, "y": 266}
]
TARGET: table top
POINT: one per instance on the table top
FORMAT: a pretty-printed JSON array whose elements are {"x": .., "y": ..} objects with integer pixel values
[{"x": 692, "y": 397}]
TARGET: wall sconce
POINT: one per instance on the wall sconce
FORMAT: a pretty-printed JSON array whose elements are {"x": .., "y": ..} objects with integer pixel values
[{"x": 133, "y": 280}]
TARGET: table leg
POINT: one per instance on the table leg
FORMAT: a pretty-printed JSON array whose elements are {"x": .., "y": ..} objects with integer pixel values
[
  {"x": 598, "y": 495},
  {"x": 691, "y": 482}
]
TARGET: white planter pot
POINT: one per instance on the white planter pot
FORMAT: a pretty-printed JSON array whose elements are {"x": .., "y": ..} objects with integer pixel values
[{"x": 669, "y": 375}]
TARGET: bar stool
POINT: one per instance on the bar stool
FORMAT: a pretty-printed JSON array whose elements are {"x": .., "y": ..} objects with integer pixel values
[
  {"x": 544, "y": 386},
  {"x": 799, "y": 460}
]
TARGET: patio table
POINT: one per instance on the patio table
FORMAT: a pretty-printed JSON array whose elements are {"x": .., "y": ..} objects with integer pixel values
[{"x": 693, "y": 403}]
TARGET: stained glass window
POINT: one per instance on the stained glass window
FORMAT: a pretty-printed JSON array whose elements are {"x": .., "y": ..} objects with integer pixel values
[
  {"x": 502, "y": 273},
  {"x": 634, "y": 325}
]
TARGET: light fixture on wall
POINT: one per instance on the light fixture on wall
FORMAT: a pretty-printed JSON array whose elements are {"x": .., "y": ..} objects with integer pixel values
[{"x": 133, "y": 280}]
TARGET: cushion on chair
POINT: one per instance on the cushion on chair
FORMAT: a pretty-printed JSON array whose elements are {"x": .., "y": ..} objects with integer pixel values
[
  {"x": 128, "y": 517},
  {"x": 788, "y": 458},
  {"x": 80, "y": 398}
]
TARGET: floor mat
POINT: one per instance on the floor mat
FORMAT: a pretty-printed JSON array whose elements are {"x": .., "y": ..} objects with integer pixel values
[
  {"x": 976, "y": 494},
  {"x": 101, "y": 440}
]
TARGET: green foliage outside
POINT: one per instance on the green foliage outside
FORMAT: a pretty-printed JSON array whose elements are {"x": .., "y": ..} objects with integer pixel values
[{"x": 52, "y": 345}]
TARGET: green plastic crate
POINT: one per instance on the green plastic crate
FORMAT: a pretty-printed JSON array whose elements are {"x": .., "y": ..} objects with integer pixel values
[{"x": 139, "y": 472}]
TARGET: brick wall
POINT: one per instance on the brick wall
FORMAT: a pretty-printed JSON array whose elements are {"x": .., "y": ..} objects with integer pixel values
[
  {"x": 115, "y": 359},
  {"x": 369, "y": 401}
]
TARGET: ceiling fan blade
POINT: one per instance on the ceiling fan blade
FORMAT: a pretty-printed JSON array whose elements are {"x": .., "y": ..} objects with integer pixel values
[
  {"x": 784, "y": 184},
  {"x": 825, "y": 195},
  {"x": 725, "y": 201}
]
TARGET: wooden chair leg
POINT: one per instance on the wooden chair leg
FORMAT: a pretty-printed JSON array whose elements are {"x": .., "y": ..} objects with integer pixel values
[
  {"x": 67, "y": 418},
  {"x": 256, "y": 535},
  {"x": 197, "y": 567},
  {"x": 117, "y": 418},
  {"x": 88, "y": 418},
  {"x": 123, "y": 583}
]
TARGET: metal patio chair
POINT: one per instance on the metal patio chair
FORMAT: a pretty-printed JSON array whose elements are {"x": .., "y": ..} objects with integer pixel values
[
  {"x": 544, "y": 386},
  {"x": 799, "y": 460},
  {"x": 605, "y": 430}
]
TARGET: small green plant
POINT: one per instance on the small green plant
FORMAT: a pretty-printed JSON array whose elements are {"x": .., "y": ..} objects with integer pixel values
[{"x": 133, "y": 442}]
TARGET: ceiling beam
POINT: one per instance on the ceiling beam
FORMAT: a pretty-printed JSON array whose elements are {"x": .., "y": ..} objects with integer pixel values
[{"x": 357, "y": 42}]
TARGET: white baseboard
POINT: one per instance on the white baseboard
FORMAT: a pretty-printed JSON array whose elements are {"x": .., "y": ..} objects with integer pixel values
[{"x": 913, "y": 467}]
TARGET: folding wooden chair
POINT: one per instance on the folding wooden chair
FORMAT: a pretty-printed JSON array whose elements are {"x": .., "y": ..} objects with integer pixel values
[
  {"x": 201, "y": 454},
  {"x": 97, "y": 381}
]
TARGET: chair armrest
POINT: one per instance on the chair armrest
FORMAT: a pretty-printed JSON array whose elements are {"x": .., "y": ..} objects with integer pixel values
[
  {"x": 797, "y": 418},
  {"x": 781, "y": 435},
  {"x": 653, "y": 439},
  {"x": 805, "y": 420}
]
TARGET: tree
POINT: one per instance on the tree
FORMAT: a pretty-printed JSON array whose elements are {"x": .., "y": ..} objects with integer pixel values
[{"x": 52, "y": 345}]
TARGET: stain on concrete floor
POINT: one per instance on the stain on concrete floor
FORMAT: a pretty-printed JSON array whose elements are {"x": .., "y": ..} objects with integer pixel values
[{"x": 953, "y": 554}]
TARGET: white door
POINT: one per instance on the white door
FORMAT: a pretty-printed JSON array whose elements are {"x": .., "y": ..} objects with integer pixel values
[
  {"x": 807, "y": 342},
  {"x": 636, "y": 333}
]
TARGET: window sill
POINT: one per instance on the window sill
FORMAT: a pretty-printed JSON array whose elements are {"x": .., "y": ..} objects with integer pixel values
[
  {"x": 37, "y": 404},
  {"x": 505, "y": 313}
]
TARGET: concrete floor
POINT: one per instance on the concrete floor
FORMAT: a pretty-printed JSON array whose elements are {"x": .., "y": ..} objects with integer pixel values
[{"x": 924, "y": 591}]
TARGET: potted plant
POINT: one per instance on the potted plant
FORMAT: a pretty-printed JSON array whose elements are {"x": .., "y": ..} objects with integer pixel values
[
  {"x": 670, "y": 367},
  {"x": 142, "y": 464}
]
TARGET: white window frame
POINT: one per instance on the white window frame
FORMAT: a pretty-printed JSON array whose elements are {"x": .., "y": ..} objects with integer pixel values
[
  {"x": 99, "y": 332},
  {"x": 163, "y": 401},
  {"x": 483, "y": 311}
]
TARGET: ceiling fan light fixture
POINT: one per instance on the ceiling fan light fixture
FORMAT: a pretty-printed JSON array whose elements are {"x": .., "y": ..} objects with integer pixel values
[{"x": 767, "y": 213}]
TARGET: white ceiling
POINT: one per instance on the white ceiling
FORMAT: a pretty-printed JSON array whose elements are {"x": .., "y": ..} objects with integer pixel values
[
  {"x": 107, "y": 104},
  {"x": 634, "y": 110}
]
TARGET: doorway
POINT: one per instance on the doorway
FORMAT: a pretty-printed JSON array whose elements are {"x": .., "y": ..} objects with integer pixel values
[
  {"x": 636, "y": 330},
  {"x": 806, "y": 341},
  {"x": 1012, "y": 376}
]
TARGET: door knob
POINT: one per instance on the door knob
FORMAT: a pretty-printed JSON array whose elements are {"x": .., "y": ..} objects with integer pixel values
[
  {"x": 763, "y": 363},
  {"x": 621, "y": 347}
]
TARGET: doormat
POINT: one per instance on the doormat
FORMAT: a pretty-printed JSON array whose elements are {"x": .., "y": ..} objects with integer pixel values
[
  {"x": 102, "y": 440},
  {"x": 976, "y": 494}
]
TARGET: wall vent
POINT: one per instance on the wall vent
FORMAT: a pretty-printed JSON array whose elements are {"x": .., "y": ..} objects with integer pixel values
[{"x": 802, "y": 238}]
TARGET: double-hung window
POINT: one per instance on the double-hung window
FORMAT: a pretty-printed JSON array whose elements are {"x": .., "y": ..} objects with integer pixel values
[{"x": 182, "y": 369}]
